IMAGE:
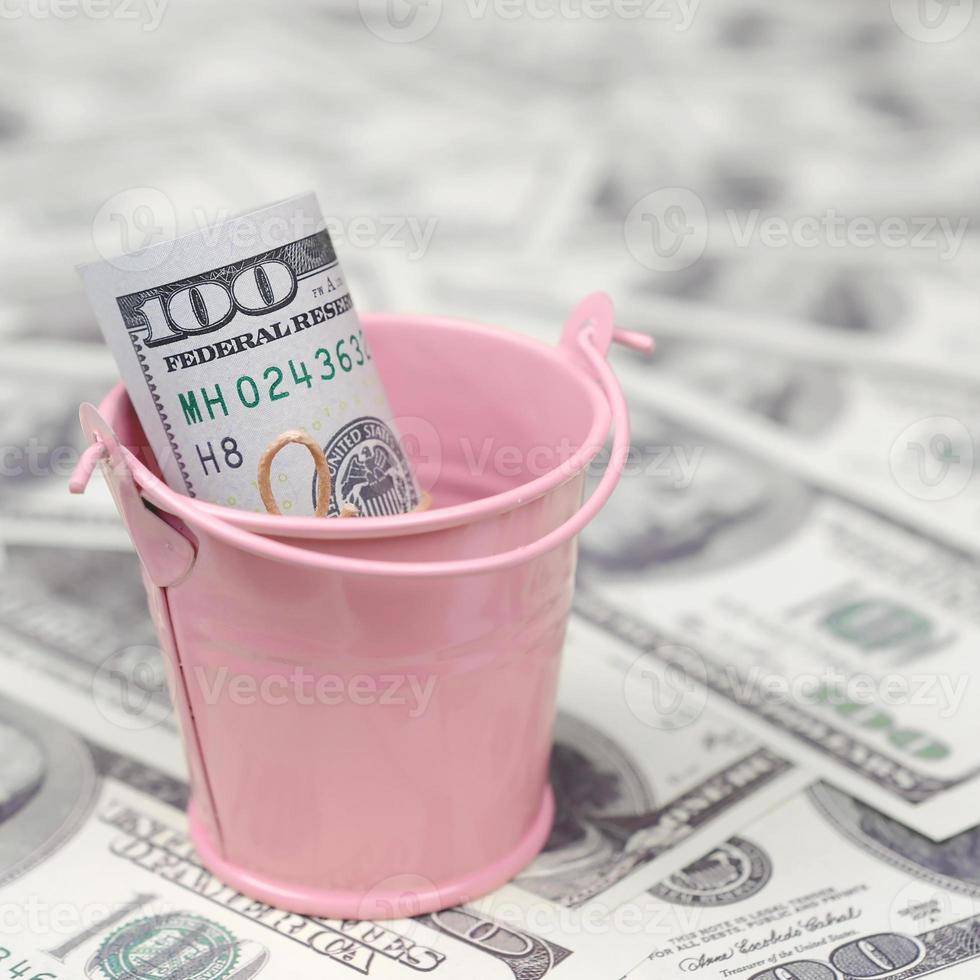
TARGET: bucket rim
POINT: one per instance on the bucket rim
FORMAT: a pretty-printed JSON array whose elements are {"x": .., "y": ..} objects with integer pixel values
[{"x": 284, "y": 526}]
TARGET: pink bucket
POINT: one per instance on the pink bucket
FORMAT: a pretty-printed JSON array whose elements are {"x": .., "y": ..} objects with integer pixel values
[{"x": 366, "y": 705}]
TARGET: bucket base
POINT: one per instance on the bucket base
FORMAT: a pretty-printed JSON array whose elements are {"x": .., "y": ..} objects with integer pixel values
[{"x": 404, "y": 899}]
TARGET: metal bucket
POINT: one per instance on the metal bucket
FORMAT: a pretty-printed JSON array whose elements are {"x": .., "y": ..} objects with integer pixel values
[{"x": 367, "y": 704}]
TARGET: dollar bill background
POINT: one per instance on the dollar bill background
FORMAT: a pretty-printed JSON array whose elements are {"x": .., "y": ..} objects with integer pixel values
[{"x": 781, "y": 192}]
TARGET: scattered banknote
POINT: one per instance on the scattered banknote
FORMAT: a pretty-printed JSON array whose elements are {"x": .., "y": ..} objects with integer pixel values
[
  {"x": 907, "y": 317},
  {"x": 636, "y": 801},
  {"x": 99, "y": 880},
  {"x": 167, "y": 183},
  {"x": 845, "y": 636},
  {"x": 895, "y": 436},
  {"x": 823, "y": 887},
  {"x": 784, "y": 585}
]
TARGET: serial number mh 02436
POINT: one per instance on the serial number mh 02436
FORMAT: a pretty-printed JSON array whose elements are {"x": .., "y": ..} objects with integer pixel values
[{"x": 339, "y": 358}]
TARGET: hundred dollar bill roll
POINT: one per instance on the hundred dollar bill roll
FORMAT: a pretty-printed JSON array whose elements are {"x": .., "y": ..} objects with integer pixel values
[{"x": 239, "y": 339}]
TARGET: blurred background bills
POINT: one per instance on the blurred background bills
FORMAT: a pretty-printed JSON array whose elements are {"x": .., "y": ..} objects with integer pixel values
[{"x": 767, "y": 757}]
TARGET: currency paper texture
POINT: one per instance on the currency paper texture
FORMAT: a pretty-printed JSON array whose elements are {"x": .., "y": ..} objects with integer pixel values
[
  {"x": 636, "y": 802},
  {"x": 231, "y": 336},
  {"x": 823, "y": 887},
  {"x": 842, "y": 634},
  {"x": 767, "y": 713}
]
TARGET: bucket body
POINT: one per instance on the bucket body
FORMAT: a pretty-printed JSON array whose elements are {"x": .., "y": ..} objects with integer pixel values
[
  {"x": 367, "y": 704},
  {"x": 419, "y": 761}
]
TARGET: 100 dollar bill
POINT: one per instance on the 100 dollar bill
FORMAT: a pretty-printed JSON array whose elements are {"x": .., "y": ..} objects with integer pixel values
[
  {"x": 231, "y": 336},
  {"x": 823, "y": 888},
  {"x": 894, "y": 437},
  {"x": 846, "y": 636}
]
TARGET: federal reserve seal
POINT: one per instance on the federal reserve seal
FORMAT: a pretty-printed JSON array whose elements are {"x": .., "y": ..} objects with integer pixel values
[
  {"x": 370, "y": 471},
  {"x": 175, "y": 946},
  {"x": 731, "y": 872}
]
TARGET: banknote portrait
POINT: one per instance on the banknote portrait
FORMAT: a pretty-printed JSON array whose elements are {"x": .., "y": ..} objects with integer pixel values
[
  {"x": 687, "y": 505},
  {"x": 48, "y": 783}
]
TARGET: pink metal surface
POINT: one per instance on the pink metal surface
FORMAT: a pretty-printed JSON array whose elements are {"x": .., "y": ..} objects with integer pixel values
[{"x": 367, "y": 704}]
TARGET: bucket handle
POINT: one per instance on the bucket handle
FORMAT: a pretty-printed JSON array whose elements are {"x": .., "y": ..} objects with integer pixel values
[{"x": 584, "y": 341}]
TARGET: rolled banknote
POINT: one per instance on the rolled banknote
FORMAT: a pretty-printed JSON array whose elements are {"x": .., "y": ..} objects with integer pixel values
[{"x": 240, "y": 339}]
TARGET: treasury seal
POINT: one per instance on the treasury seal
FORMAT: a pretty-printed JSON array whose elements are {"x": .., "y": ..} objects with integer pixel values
[
  {"x": 175, "y": 946},
  {"x": 731, "y": 872},
  {"x": 370, "y": 472}
]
